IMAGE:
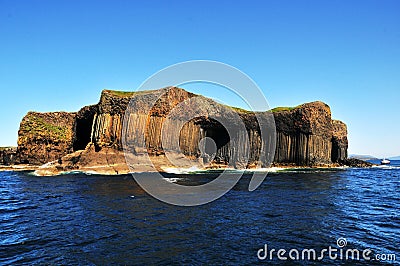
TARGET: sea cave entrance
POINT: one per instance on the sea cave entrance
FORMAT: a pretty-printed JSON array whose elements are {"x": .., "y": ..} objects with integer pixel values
[
  {"x": 218, "y": 134},
  {"x": 205, "y": 138},
  {"x": 83, "y": 130}
]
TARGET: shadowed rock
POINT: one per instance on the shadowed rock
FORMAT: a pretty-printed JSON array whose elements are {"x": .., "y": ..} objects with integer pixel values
[
  {"x": 353, "y": 162},
  {"x": 8, "y": 155}
]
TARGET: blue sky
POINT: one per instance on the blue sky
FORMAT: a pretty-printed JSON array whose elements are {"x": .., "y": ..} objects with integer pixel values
[{"x": 59, "y": 55}]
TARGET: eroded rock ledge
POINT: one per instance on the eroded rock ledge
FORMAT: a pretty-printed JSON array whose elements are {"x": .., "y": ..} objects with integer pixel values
[{"x": 91, "y": 138}]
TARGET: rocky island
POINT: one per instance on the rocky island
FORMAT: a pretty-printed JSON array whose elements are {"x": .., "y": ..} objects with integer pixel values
[{"x": 90, "y": 140}]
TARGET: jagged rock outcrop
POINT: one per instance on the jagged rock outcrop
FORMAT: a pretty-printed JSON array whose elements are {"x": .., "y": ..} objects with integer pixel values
[
  {"x": 45, "y": 137},
  {"x": 353, "y": 162},
  {"x": 339, "y": 141},
  {"x": 305, "y": 135}
]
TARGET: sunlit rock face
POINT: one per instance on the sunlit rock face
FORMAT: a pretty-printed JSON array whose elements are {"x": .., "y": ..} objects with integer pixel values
[
  {"x": 172, "y": 119},
  {"x": 339, "y": 141},
  {"x": 45, "y": 137},
  {"x": 186, "y": 119},
  {"x": 307, "y": 135}
]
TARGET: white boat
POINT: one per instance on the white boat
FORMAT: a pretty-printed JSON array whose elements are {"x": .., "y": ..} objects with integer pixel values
[{"x": 385, "y": 161}]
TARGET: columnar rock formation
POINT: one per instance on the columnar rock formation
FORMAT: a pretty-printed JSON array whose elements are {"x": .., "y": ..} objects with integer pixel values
[
  {"x": 305, "y": 135},
  {"x": 308, "y": 136},
  {"x": 339, "y": 141}
]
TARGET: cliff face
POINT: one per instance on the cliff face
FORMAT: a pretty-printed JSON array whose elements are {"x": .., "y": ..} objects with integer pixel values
[
  {"x": 107, "y": 126},
  {"x": 45, "y": 137},
  {"x": 305, "y": 135},
  {"x": 339, "y": 141},
  {"x": 190, "y": 119}
]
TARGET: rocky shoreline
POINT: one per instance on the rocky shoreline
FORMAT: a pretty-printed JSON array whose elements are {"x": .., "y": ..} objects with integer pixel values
[
  {"x": 18, "y": 168},
  {"x": 53, "y": 169}
]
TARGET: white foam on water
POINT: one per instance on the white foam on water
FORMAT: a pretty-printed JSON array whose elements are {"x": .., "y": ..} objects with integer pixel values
[
  {"x": 177, "y": 171},
  {"x": 75, "y": 172},
  {"x": 47, "y": 164},
  {"x": 266, "y": 170},
  {"x": 196, "y": 170},
  {"x": 386, "y": 167},
  {"x": 172, "y": 180}
]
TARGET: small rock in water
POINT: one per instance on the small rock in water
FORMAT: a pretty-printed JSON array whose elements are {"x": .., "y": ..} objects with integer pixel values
[{"x": 352, "y": 162}]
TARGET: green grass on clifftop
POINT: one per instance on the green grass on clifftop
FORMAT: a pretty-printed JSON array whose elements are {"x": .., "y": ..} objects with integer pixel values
[
  {"x": 120, "y": 93},
  {"x": 126, "y": 94},
  {"x": 241, "y": 110},
  {"x": 281, "y": 109},
  {"x": 38, "y": 126}
]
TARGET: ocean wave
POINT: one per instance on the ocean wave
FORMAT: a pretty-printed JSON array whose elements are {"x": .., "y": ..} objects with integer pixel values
[
  {"x": 172, "y": 179},
  {"x": 386, "y": 167},
  {"x": 180, "y": 171}
]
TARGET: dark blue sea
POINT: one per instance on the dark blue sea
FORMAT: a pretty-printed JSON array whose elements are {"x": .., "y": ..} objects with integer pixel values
[{"x": 82, "y": 219}]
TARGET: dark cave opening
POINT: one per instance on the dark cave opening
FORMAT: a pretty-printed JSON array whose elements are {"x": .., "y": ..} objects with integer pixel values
[
  {"x": 212, "y": 140},
  {"x": 83, "y": 130},
  {"x": 335, "y": 152},
  {"x": 219, "y": 135}
]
